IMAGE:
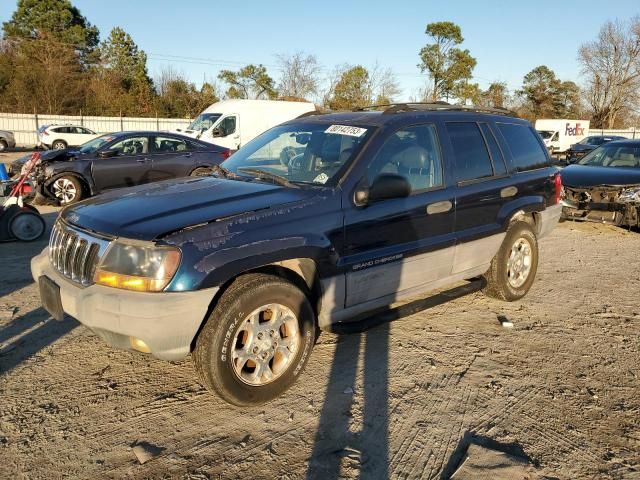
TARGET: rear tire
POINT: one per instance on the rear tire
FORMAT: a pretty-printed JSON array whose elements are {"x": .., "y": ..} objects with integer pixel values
[
  {"x": 256, "y": 341},
  {"x": 59, "y": 145},
  {"x": 513, "y": 269}
]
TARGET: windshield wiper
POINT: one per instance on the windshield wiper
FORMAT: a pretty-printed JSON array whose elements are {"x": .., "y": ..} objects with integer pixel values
[{"x": 263, "y": 175}]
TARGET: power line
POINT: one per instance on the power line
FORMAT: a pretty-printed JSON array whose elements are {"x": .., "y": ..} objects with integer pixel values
[{"x": 212, "y": 62}]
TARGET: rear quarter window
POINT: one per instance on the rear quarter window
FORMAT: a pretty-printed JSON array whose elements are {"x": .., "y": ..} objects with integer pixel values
[
  {"x": 472, "y": 158},
  {"x": 526, "y": 151}
]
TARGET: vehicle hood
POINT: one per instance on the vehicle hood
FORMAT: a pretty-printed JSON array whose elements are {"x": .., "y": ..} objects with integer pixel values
[
  {"x": 149, "y": 212},
  {"x": 584, "y": 176},
  {"x": 51, "y": 156},
  {"x": 577, "y": 147}
]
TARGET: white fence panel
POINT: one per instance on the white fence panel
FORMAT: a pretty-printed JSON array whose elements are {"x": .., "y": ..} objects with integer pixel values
[
  {"x": 25, "y": 125},
  {"x": 627, "y": 133}
]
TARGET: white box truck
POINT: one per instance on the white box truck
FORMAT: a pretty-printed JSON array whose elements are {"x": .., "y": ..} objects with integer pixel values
[
  {"x": 232, "y": 123},
  {"x": 559, "y": 134}
]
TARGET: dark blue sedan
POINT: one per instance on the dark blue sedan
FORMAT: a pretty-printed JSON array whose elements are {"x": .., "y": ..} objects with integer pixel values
[
  {"x": 122, "y": 159},
  {"x": 588, "y": 144}
]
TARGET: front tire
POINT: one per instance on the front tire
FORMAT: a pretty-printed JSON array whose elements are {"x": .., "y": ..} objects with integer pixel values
[
  {"x": 3, "y": 145},
  {"x": 200, "y": 172},
  {"x": 513, "y": 269},
  {"x": 67, "y": 189},
  {"x": 256, "y": 341}
]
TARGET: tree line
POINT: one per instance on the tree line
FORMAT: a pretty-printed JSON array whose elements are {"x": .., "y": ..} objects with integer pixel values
[{"x": 52, "y": 60}]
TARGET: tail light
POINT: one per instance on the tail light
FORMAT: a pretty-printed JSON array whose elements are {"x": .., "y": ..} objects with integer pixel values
[
  {"x": 44, "y": 132},
  {"x": 558, "y": 184},
  {"x": 226, "y": 154}
]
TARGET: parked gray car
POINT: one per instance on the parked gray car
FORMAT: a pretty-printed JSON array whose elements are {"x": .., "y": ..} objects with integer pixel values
[{"x": 7, "y": 140}]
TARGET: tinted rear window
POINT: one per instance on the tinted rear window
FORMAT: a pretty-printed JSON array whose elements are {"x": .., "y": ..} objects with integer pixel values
[
  {"x": 526, "y": 151},
  {"x": 472, "y": 157}
]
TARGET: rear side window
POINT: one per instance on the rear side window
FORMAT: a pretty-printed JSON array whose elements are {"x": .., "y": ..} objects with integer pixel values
[
  {"x": 526, "y": 151},
  {"x": 472, "y": 157}
]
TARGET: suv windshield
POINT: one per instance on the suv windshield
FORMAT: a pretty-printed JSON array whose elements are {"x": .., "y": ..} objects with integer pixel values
[
  {"x": 204, "y": 121},
  {"x": 611, "y": 155},
  {"x": 300, "y": 153},
  {"x": 93, "y": 145}
]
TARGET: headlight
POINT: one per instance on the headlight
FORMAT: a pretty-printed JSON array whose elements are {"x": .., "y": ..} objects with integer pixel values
[
  {"x": 143, "y": 268},
  {"x": 630, "y": 195}
]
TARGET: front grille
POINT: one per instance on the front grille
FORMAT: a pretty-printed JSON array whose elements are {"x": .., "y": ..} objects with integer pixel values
[{"x": 75, "y": 254}]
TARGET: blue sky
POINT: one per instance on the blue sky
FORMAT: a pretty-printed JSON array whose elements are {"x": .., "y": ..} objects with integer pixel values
[{"x": 508, "y": 38}]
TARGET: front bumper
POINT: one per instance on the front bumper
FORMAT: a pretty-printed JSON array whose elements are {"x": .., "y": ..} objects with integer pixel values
[{"x": 166, "y": 322}]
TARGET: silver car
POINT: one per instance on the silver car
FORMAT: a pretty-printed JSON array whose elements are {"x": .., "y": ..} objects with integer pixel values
[{"x": 7, "y": 140}]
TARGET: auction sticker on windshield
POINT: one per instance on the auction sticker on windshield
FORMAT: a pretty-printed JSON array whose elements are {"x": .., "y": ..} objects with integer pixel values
[{"x": 346, "y": 130}]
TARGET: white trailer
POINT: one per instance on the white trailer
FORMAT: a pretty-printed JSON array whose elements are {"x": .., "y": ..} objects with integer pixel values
[
  {"x": 559, "y": 134},
  {"x": 232, "y": 123}
]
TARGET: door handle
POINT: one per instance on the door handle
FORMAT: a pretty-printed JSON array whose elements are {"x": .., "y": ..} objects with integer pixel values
[
  {"x": 187, "y": 155},
  {"x": 439, "y": 207},
  {"x": 508, "y": 192},
  {"x": 142, "y": 160}
]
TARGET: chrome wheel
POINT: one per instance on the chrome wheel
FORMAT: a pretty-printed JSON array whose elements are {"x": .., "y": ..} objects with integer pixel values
[
  {"x": 65, "y": 190},
  {"x": 265, "y": 344},
  {"x": 59, "y": 146},
  {"x": 519, "y": 262}
]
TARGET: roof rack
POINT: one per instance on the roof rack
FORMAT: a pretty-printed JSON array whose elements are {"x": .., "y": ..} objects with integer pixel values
[{"x": 437, "y": 106}]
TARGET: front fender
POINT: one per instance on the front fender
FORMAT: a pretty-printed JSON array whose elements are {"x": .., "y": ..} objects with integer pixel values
[{"x": 221, "y": 264}]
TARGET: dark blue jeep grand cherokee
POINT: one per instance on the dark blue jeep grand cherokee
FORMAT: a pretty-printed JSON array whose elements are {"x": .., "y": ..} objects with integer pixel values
[{"x": 313, "y": 222}]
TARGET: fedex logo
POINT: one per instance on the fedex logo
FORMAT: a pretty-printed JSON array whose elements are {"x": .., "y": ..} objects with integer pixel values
[{"x": 575, "y": 131}]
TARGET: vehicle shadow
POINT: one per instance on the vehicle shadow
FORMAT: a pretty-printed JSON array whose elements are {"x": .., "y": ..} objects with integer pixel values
[
  {"x": 339, "y": 447},
  {"x": 25, "y": 334},
  {"x": 27, "y": 345}
]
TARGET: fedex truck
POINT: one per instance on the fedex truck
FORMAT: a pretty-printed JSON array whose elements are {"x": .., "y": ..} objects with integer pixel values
[
  {"x": 559, "y": 135},
  {"x": 232, "y": 123}
]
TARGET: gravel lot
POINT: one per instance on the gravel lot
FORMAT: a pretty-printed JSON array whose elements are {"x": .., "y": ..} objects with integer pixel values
[{"x": 560, "y": 388}]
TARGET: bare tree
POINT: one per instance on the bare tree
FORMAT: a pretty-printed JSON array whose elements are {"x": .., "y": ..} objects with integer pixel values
[
  {"x": 383, "y": 85},
  {"x": 611, "y": 65},
  {"x": 299, "y": 76},
  {"x": 350, "y": 86}
]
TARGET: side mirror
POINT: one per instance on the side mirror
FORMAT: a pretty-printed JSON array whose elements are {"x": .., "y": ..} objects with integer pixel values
[
  {"x": 385, "y": 186},
  {"x": 217, "y": 132},
  {"x": 107, "y": 153}
]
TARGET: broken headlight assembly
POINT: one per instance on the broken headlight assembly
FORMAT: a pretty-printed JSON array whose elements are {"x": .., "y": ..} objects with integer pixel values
[
  {"x": 630, "y": 195},
  {"x": 142, "y": 267}
]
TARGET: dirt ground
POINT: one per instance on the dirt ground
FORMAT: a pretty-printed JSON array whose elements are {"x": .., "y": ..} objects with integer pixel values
[{"x": 402, "y": 399}]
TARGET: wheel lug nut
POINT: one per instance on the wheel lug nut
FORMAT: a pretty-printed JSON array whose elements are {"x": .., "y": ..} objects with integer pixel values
[
  {"x": 260, "y": 336},
  {"x": 255, "y": 349}
]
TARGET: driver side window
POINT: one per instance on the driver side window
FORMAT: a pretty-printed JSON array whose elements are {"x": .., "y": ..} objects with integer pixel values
[
  {"x": 413, "y": 153},
  {"x": 227, "y": 126},
  {"x": 131, "y": 146}
]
